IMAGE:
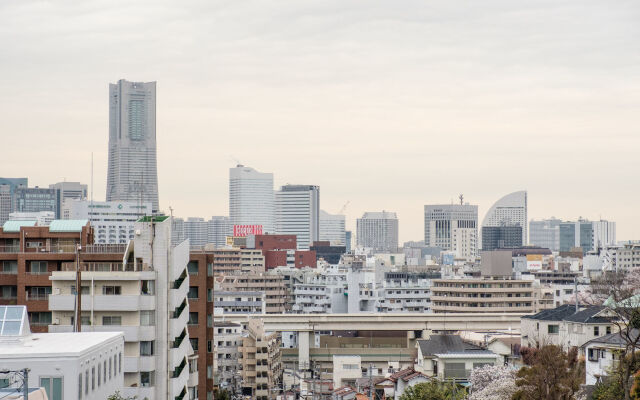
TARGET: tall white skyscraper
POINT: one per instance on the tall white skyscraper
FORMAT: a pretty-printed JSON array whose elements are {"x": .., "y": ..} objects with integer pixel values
[
  {"x": 452, "y": 227},
  {"x": 298, "y": 213},
  {"x": 332, "y": 228},
  {"x": 604, "y": 233},
  {"x": 378, "y": 231},
  {"x": 195, "y": 229},
  {"x": 509, "y": 211},
  {"x": 132, "y": 174},
  {"x": 251, "y": 198}
]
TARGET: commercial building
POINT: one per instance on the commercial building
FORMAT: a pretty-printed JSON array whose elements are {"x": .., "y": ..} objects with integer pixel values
[
  {"x": 232, "y": 261},
  {"x": 7, "y": 190},
  {"x": 70, "y": 191},
  {"x": 576, "y": 234},
  {"x": 298, "y": 213},
  {"x": 332, "y": 228},
  {"x": 72, "y": 366},
  {"x": 509, "y": 210},
  {"x": 251, "y": 198},
  {"x": 196, "y": 230},
  {"x": 146, "y": 297},
  {"x": 218, "y": 228},
  {"x": 452, "y": 227},
  {"x": 261, "y": 361},
  {"x": 604, "y": 234},
  {"x": 275, "y": 292},
  {"x": 545, "y": 233},
  {"x": 112, "y": 221},
  {"x": 132, "y": 175},
  {"x": 280, "y": 251},
  {"x": 36, "y": 199},
  {"x": 378, "y": 231},
  {"x": 501, "y": 237},
  {"x": 331, "y": 254}
]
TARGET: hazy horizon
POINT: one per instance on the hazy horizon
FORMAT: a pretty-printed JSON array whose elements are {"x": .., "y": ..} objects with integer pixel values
[{"x": 387, "y": 105}]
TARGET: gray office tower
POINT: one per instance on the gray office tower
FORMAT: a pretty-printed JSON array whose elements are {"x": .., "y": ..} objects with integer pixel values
[
  {"x": 7, "y": 191},
  {"x": 452, "y": 227},
  {"x": 132, "y": 174}
]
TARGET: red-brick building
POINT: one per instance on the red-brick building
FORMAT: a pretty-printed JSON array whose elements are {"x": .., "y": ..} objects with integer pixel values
[{"x": 281, "y": 250}]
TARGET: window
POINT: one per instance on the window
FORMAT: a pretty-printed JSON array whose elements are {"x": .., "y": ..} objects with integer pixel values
[
  {"x": 86, "y": 382},
  {"x": 553, "y": 329},
  {"x": 99, "y": 371},
  {"x": 80, "y": 386},
  {"x": 115, "y": 320},
  {"x": 93, "y": 378},
  {"x": 209, "y": 321},
  {"x": 38, "y": 267},
  {"x": 192, "y": 268},
  {"x": 608, "y": 330},
  {"x": 596, "y": 331},
  {"x": 193, "y": 318},
  {"x": 209, "y": 371},
  {"x": 119, "y": 363},
  {"x": 9, "y": 267},
  {"x": 194, "y": 344},
  {"x": 53, "y": 387},
  {"x": 9, "y": 292},
  {"x": 146, "y": 378},
  {"x": 148, "y": 287},
  {"x": 109, "y": 368},
  {"x": 111, "y": 290},
  {"x": 146, "y": 348},
  {"x": 592, "y": 354},
  {"x": 147, "y": 318},
  {"x": 209, "y": 294},
  {"x": 193, "y": 292},
  {"x": 104, "y": 369},
  {"x": 210, "y": 269},
  {"x": 209, "y": 346}
]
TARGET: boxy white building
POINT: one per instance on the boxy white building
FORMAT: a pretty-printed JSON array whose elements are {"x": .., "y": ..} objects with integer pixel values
[{"x": 70, "y": 366}]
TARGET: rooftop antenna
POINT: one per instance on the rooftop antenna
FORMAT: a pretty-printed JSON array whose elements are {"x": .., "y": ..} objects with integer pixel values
[{"x": 461, "y": 197}]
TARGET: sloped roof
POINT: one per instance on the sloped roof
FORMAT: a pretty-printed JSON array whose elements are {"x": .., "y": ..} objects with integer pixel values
[
  {"x": 14, "y": 226},
  {"x": 613, "y": 338},
  {"x": 67, "y": 225},
  {"x": 589, "y": 316},
  {"x": 554, "y": 314},
  {"x": 442, "y": 344},
  {"x": 567, "y": 312}
]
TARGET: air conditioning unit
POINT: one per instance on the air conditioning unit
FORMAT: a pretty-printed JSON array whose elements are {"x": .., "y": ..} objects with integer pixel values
[
  {"x": 56, "y": 321},
  {"x": 138, "y": 232}
]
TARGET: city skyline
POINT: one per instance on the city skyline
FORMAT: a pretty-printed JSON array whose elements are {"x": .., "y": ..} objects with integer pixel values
[{"x": 522, "y": 98}]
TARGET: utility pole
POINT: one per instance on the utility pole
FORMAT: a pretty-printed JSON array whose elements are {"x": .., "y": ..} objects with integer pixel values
[
  {"x": 370, "y": 381},
  {"x": 78, "y": 321},
  {"x": 25, "y": 383}
]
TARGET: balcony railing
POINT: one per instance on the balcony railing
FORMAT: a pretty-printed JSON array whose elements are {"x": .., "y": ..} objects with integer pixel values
[
  {"x": 37, "y": 296},
  {"x": 104, "y": 249},
  {"x": 178, "y": 370},
  {"x": 38, "y": 272},
  {"x": 9, "y": 248}
]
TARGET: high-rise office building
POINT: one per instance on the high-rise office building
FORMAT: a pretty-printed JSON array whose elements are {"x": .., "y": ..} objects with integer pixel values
[
  {"x": 195, "y": 229},
  {"x": 251, "y": 198},
  {"x": 452, "y": 227},
  {"x": 509, "y": 210},
  {"x": 26, "y": 199},
  {"x": 545, "y": 233},
  {"x": 132, "y": 174},
  {"x": 70, "y": 191},
  {"x": 7, "y": 189},
  {"x": 501, "y": 237},
  {"x": 332, "y": 228},
  {"x": 378, "y": 231},
  {"x": 604, "y": 233},
  {"x": 576, "y": 234},
  {"x": 298, "y": 213},
  {"x": 218, "y": 228}
]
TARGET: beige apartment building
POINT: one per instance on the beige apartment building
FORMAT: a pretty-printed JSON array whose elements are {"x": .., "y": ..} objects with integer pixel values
[
  {"x": 275, "y": 292},
  {"x": 261, "y": 361},
  {"x": 235, "y": 261},
  {"x": 487, "y": 295}
]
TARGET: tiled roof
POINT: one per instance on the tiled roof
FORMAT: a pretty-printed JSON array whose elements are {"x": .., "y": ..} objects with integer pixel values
[
  {"x": 14, "y": 226},
  {"x": 567, "y": 312},
  {"x": 613, "y": 338},
  {"x": 442, "y": 344},
  {"x": 67, "y": 225}
]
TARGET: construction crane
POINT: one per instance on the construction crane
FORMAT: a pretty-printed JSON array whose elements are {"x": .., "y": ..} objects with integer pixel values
[{"x": 344, "y": 207}]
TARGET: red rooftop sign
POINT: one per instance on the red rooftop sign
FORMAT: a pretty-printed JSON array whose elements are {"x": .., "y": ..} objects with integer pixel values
[{"x": 246, "y": 230}]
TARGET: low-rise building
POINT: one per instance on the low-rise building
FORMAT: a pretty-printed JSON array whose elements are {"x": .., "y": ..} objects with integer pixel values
[
  {"x": 602, "y": 354},
  {"x": 261, "y": 361},
  {"x": 232, "y": 302},
  {"x": 405, "y": 292},
  {"x": 81, "y": 365},
  {"x": 228, "y": 338},
  {"x": 395, "y": 384},
  {"x": 275, "y": 292}
]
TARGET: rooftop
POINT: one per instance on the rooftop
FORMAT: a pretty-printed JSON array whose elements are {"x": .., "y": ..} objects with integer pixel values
[
  {"x": 67, "y": 225},
  {"x": 443, "y": 344},
  {"x": 55, "y": 345},
  {"x": 14, "y": 226},
  {"x": 567, "y": 312}
]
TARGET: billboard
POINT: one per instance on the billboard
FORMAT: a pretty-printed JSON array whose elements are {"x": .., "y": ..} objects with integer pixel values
[
  {"x": 246, "y": 230},
  {"x": 534, "y": 261}
]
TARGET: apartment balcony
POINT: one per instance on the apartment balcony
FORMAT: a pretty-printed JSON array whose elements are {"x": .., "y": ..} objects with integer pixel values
[
  {"x": 131, "y": 333},
  {"x": 470, "y": 309},
  {"x": 9, "y": 248},
  {"x": 441, "y": 289},
  {"x": 493, "y": 299},
  {"x": 141, "y": 363},
  {"x": 139, "y": 392},
  {"x": 103, "y": 302}
]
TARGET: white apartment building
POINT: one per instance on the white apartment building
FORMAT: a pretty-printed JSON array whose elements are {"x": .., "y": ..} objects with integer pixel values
[
  {"x": 251, "y": 198},
  {"x": 298, "y": 213},
  {"x": 332, "y": 228},
  {"x": 405, "y": 292},
  {"x": 452, "y": 227},
  {"x": 237, "y": 302},
  {"x": 146, "y": 298},
  {"x": 322, "y": 291},
  {"x": 228, "y": 337},
  {"x": 378, "y": 231},
  {"x": 69, "y": 366},
  {"x": 113, "y": 221},
  {"x": 604, "y": 233}
]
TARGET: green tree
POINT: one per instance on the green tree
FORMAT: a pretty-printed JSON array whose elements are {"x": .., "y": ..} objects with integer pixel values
[
  {"x": 118, "y": 396},
  {"x": 552, "y": 375},
  {"x": 434, "y": 390},
  {"x": 221, "y": 394}
]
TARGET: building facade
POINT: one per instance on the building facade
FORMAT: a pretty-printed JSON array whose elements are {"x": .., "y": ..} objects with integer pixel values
[
  {"x": 251, "y": 198},
  {"x": 332, "y": 228},
  {"x": 378, "y": 231},
  {"x": 298, "y": 213},
  {"x": 501, "y": 237},
  {"x": 509, "y": 210},
  {"x": 132, "y": 172},
  {"x": 36, "y": 199},
  {"x": 7, "y": 190},
  {"x": 545, "y": 233},
  {"x": 261, "y": 361},
  {"x": 576, "y": 234},
  {"x": 218, "y": 228},
  {"x": 452, "y": 227}
]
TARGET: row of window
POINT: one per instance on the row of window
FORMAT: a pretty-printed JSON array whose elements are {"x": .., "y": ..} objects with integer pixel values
[{"x": 106, "y": 370}]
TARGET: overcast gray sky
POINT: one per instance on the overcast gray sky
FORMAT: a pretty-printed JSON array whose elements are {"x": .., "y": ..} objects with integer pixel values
[{"x": 387, "y": 104}]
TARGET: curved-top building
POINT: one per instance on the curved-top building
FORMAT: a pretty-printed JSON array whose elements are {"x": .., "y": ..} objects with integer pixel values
[{"x": 510, "y": 210}]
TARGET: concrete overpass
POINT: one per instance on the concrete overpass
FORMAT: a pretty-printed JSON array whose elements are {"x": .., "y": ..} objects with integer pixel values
[{"x": 305, "y": 324}]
